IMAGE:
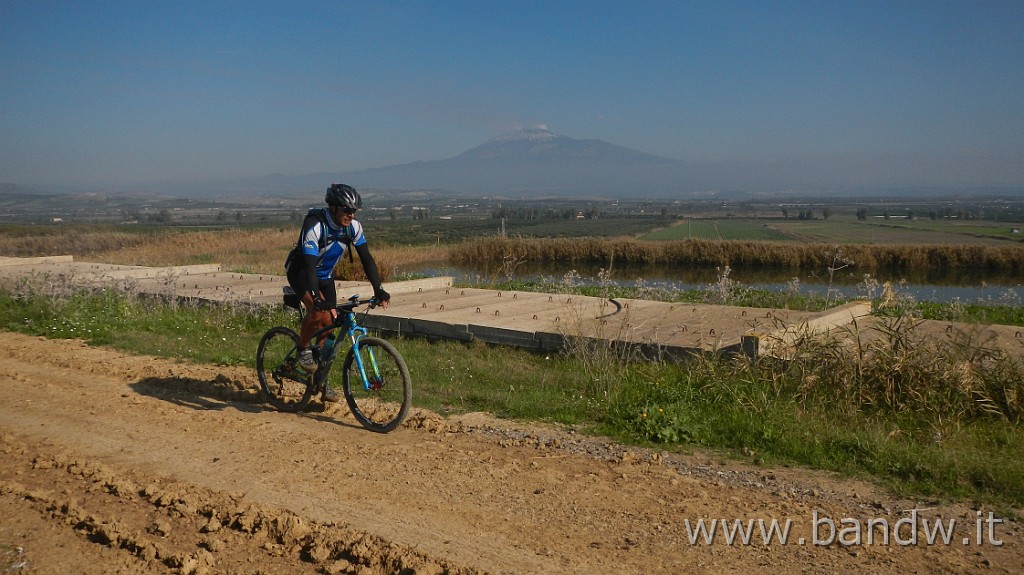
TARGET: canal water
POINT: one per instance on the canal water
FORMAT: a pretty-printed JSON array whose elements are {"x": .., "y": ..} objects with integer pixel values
[{"x": 967, "y": 286}]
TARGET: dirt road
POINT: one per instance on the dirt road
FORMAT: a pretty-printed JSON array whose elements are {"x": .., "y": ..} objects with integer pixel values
[{"x": 111, "y": 463}]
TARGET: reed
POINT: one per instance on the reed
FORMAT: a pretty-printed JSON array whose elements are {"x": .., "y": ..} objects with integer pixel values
[{"x": 489, "y": 250}]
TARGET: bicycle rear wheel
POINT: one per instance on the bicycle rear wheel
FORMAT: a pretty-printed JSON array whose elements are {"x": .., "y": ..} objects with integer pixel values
[
  {"x": 382, "y": 400},
  {"x": 285, "y": 385}
]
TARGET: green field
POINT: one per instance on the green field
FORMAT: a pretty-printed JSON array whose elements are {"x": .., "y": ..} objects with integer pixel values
[
  {"x": 717, "y": 230},
  {"x": 839, "y": 230}
]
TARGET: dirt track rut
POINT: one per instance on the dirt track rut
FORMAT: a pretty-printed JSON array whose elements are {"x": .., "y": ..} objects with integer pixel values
[{"x": 118, "y": 463}]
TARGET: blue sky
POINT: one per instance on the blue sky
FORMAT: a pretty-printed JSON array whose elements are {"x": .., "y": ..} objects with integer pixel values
[{"x": 135, "y": 92}]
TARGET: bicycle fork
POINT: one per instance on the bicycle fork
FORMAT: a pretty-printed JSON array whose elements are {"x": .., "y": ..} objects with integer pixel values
[{"x": 375, "y": 382}]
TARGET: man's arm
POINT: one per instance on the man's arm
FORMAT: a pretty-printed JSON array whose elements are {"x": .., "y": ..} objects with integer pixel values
[{"x": 370, "y": 269}]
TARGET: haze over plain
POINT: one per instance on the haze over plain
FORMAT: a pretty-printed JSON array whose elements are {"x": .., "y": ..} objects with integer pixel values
[{"x": 789, "y": 95}]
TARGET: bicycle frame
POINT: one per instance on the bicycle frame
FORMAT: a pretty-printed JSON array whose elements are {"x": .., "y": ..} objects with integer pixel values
[
  {"x": 375, "y": 380},
  {"x": 348, "y": 327}
]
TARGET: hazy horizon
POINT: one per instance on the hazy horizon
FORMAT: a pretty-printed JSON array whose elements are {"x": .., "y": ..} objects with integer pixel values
[{"x": 115, "y": 94}]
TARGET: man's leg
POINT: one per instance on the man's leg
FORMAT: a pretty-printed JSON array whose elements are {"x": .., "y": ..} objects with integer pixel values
[{"x": 312, "y": 321}]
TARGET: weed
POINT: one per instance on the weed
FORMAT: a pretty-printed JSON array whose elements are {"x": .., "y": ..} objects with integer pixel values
[
  {"x": 721, "y": 290},
  {"x": 837, "y": 262}
]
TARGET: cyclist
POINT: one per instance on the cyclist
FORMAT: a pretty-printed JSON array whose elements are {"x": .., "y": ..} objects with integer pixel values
[{"x": 326, "y": 234}]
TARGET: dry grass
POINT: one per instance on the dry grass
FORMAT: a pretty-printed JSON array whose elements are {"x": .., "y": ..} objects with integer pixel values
[
  {"x": 247, "y": 250},
  {"x": 894, "y": 367}
]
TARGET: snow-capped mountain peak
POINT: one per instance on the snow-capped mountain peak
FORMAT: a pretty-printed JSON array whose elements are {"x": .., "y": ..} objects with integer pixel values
[{"x": 539, "y": 133}]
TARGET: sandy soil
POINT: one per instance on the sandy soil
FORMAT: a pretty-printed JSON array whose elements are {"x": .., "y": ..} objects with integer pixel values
[{"x": 111, "y": 463}]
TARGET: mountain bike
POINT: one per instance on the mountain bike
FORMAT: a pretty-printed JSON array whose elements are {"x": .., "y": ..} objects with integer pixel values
[{"x": 374, "y": 377}]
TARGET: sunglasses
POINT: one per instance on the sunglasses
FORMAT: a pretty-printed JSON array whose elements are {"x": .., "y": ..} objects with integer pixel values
[{"x": 345, "y": 210}]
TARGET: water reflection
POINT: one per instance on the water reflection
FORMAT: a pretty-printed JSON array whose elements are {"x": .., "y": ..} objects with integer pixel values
[{"x": 924, "y": 285}]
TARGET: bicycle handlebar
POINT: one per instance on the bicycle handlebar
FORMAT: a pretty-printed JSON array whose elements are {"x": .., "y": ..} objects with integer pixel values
[{"x": 354, "y": 302}]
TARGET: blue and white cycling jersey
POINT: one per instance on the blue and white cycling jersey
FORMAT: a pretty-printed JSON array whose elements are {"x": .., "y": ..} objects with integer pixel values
[{"x": 326, "y": 240}]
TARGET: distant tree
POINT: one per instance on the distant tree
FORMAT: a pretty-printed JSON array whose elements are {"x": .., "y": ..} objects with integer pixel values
[
  {"x": 826, "y": 212},
  {"x": 785, "y": 214},
  {"x": 862, "y": 214}
]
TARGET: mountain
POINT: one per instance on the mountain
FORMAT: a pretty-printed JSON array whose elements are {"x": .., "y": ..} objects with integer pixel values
[
  {"x": 533, "y": 162},
  {"x": 538, "y": 163}
]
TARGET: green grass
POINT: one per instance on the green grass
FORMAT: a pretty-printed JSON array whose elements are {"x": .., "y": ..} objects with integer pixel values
[
  {"x": 218, "y": 335},
  {"x": 708, "y": 406},
  {"x": 769, "y": 412},
  {"x": 973, "y": 313}
]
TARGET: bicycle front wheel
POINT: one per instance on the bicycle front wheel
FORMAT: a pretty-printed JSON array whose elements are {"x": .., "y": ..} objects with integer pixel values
[
  {"x": 377, "y": 385},
  {"x": 284, "y": 384}
]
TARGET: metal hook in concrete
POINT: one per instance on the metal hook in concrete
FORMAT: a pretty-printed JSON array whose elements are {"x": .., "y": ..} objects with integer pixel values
[{"x": 618, "y": 308}]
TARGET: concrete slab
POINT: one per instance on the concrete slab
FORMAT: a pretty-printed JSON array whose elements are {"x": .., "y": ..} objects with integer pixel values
[
  {"x": 779, "y": 342},
  {"x": 432, "y": 308},
  {"x": 9, "y": 261}
]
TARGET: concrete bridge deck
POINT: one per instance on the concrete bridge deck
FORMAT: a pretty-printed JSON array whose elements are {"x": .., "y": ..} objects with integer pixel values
[{"x": 543, "y": 321}]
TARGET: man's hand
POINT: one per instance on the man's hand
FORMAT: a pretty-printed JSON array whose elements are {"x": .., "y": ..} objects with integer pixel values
[{"x": 383, "y": 298}]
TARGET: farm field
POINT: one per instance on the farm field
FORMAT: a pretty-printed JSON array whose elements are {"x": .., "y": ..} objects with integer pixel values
[
  {"x": 854, "y": 232},
  {"x": 838, "y": 230},
  {"x": 754, "y": 230},
  {"x": 1002, "y": 230}
]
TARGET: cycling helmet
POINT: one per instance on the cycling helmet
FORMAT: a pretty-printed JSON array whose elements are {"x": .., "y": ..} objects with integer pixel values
[{"x": 343, "y": 195}]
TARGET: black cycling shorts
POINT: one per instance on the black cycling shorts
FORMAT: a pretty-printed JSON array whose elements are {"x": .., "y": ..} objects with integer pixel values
[{"x": 297, "y": 279}]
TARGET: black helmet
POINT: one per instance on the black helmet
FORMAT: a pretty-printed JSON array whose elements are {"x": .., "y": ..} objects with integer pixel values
[{"x": 343, "y": 195}]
